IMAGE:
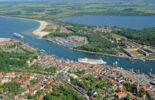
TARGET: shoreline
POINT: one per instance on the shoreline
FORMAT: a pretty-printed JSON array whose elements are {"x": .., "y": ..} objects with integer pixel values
[
  {"x": 39, "y": 31},
  {"x": 9, "y": 39},
  {"x": 97, "y": 53}
]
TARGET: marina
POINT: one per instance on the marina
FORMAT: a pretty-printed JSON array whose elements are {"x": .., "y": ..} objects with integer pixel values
[{"x": 65, "y": 42}]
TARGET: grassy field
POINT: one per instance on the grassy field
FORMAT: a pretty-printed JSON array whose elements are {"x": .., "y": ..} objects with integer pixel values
[
  {"x": 117, "y": 37},
  {"x": 51, "y": 11},
  {"x": 138, "y": 55}
]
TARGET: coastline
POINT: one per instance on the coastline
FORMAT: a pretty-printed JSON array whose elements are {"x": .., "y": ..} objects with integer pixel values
[
  {"x": 39, "y": 31},
  {"x": 97, "y": 53},
  {"x": 43, "y": 24}
]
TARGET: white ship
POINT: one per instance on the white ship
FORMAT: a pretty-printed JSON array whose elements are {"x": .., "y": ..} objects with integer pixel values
[
  {"x": 18, "y": 35},
  {"x": 91, "y": 61}
]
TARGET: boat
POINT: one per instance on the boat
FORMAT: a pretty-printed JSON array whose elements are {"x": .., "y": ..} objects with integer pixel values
[
  {"x": 42, "y": 50},
  {"x": 151, "y": 75},
  {"x": 152, "y": 83},
  {"x": 115, "y": 63},
  {"x": 18, "y": 35},
  {"x": 91, "y": 61}
]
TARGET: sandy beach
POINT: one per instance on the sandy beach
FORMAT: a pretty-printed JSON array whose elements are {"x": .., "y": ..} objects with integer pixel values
[{"x": 39, "y": 31}]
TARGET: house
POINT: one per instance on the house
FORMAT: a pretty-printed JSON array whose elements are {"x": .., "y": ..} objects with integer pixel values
[
  {"x": 121, "y": 95},
  {"x": 73, "y": 75},
  {"x": 6, "y": 80},
  {"x": 10, "y": 75}
]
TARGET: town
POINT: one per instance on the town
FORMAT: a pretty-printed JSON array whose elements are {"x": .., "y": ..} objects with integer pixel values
[
  {"x": 77, "y": 50},
  {"x": 42, "y": 75}
]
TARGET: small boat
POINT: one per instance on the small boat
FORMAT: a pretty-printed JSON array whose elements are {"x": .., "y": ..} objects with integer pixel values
[
  {"x": 42, "y": 50},
  {"x": 152, "y": 83},
  {"x": 151, "y": 69},
  {"x": 18, "y": 35},
  {"x": 152, "y": 75},
  {"x": 115, "y": 63},
  {"x": 143, "y": 60}
]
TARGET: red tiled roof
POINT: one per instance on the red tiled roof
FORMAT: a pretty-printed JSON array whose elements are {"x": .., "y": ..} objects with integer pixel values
[{"x": 121, "y": 94}]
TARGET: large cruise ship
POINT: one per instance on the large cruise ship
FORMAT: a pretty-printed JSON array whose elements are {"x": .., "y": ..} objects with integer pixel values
[
  {"x": 18, "y": 35},
  {"x": 91, "y": 61}
]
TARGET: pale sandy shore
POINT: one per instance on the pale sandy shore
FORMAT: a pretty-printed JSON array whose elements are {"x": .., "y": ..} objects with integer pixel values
[{"x": 39, "y": 31}]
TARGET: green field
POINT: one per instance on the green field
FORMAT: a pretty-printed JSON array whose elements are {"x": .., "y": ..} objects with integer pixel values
[
  {"x": 117, "y": 37},
  {"x": 51, "y": 11}
]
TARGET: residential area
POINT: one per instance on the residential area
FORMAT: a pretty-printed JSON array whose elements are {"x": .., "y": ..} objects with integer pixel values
[{"x": 42, "y": 75}]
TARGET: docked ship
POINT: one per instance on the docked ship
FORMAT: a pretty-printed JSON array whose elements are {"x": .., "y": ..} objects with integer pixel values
[
  {"x": 91, "y": 61},
  {"x": 18, "y": 35}
]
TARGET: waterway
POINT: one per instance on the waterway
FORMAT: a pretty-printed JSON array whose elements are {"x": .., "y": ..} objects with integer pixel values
[
  {"x": 135, "y": 22},
  {"x": 10, "y": 25}
]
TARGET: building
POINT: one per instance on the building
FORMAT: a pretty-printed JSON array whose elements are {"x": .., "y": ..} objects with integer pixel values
[
  {"x": 143, "y": 52},
  {"x": 128, "y": 53}
]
